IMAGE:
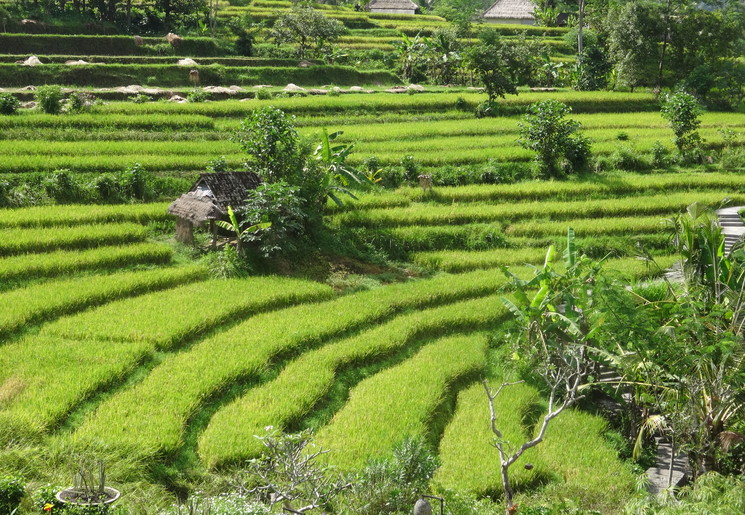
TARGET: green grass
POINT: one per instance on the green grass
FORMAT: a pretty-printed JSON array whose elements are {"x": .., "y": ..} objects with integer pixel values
[
  {"x": 459, "y": 261},
  {"x": 304, "y": 382},
  {"x": 404, "y": 400},
  {"x": 47, "y": 300}
]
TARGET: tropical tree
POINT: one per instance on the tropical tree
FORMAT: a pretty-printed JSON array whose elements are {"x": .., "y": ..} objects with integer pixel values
[
  {"x": 556, "y": 332},
  {"x": 306, "y": 27}
]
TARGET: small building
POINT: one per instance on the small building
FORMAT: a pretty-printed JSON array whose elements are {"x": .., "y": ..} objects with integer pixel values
[
  {"x": 392, "y": 6},
  {"x": 208, "y": 200},
  {"x": 519, "y": 12}
]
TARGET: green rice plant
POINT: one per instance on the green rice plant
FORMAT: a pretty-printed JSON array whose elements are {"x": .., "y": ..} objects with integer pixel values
[
  {"x": 142, "y": 419},
  {"x": 399, "y": 241},
  {"x": 303, "y": 383},
  {"x": 66, "y": 262},
  {"x": 459, "y": 261},
  {"x": 401, "y": 401},
  {"x": 423, "y": 214},
  {"x": 124, "y": 120},
  {"x": 113, "y": 163},
  {"x": 97, "y": 358},
  {"x": 44, "y": 377},
  {"x": 21, "y": 240},
  {"x": 167, "y": 318},
  {"x": 48, "y": 216},
  {"x": 47, "y": 300},
  {"x": 589, "y": 226},
  {"x": 585, "y": 188}
]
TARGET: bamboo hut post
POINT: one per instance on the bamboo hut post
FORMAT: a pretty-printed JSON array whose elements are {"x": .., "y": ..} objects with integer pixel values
[{"x": 213, "y": 231}]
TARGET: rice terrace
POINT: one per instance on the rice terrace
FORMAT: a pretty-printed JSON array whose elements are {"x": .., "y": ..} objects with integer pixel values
[{"x": 372, "y": 257}]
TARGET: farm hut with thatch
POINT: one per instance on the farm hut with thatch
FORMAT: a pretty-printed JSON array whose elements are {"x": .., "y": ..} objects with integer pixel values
[
  {"x": 208, "y": 200},
  {"x": 511, "y": 11},
  {"x": 392, "y": 6}
]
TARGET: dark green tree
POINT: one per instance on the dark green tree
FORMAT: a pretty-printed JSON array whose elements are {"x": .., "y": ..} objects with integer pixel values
[{"x": 306, "y": 27}]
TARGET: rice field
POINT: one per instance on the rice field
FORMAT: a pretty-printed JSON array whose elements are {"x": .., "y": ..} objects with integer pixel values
[{"x": 109, "y": 340}]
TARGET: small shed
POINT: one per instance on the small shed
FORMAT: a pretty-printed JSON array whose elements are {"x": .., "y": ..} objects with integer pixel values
[
  {"x": 392, "y": 6},
  {"x": 208, "y": 200},
  {"x": 518, "y": 12}
]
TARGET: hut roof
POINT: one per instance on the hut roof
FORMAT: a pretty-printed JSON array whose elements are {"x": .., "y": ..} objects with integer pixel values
[
  {"x": 226, "y": 188},
  {"x": 211, "y": 195},
  {"x": 195, "y": 208},
  {"x": 392, "y": 4},
  {"x": 511, "y": 9}
]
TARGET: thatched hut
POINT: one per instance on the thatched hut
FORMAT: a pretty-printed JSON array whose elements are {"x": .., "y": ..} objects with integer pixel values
[
  {"x": 208, "y": 200},
  {"x": 511, "y": 11},
  {"x": 392, "y": 6}
]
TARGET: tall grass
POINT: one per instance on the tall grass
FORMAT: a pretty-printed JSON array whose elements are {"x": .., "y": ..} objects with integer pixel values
[{"x": 404, "y": 400}]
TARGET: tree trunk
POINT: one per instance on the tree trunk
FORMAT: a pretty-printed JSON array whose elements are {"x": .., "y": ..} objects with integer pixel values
[{"x": 510, "y": 506}]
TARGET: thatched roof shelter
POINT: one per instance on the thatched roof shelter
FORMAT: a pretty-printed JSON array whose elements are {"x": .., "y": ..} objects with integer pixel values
[
  {"x": 208, "y": 200},
  {"x": 392, "y": 6},
  {"x": 511, "y": 11}
]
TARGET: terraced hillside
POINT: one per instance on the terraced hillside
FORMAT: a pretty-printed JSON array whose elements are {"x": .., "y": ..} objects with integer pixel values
[{"x": 161, "y": 367}]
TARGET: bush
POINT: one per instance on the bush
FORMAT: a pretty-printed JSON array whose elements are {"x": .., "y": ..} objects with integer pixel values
[
  {"x": 107, "y": 187},
  {"x": 263, "y": 94},
  {"x": 281, "y": 204},
  {"x": 487, "y": 109},
  {"x": 12, "y": 491},
  {"x": 8, "y": 103},
  {"x": 62, "y": 187},
  {"x": 49, "y": 99},
  {"x": 392, "y": 485},
  {"x": 682, "y": 111},
  {"x": 134, "y": 182},
  {"x": 546, "y": 131},
  {"x": 79, "y": 102},
  {"x": 197, "y": 95}
]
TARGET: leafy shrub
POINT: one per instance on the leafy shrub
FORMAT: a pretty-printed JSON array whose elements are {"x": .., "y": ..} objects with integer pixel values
[
  {"x": 545, "y": 131},
  {"x": 281, "y": 204},
  {"x": 79, "y": 102},
  {"x": 411, "y": 169},
  {"x": 660, "y": 155},
  {"x": 218, "y": 165},
  {"x": 62, "y": 187},
  {"x": 226, "y": 264},
  {"x": 628, "y": 159},
  {"x": 49, "y": 99},
  {"x": 682, "y": 110},
  {"x": 461, "y": 104},
  {"x": 577, "y": 154},
  {"x": 263, "y": 94},
  {"x": 106, "y": 186},
  {"x": 134, "y": 182},
  {"x": 487, "y": 109},
  {"x": 12, "y": 491},
  {"x": 197, "y": 95},
  {"x": 8, "y": 103},
  {"x": 393, "y": 485},
  {"x": 139, "y": 99}
]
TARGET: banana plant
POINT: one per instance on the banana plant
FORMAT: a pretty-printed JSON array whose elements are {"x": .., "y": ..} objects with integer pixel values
[
  {"x": 338, "y": 174},
  {"x": 234, "y": 225}
]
